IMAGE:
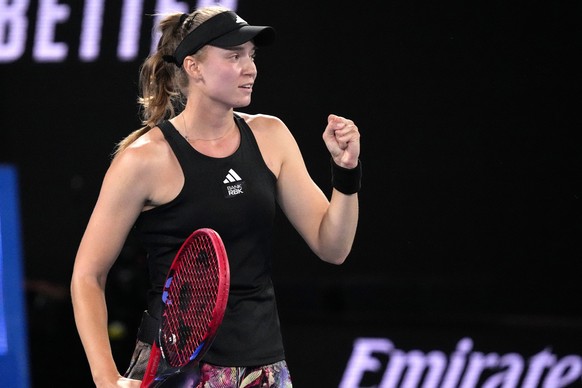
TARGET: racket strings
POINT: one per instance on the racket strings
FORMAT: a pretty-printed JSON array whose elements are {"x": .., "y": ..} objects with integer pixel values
[{"x": 191, "y": 297}]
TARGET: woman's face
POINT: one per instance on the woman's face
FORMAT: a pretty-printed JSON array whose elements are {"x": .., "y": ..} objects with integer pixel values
[{"x": 228, "y": 75}]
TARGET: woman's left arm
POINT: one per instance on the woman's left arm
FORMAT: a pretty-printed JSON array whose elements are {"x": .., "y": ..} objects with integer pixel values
[{"x": 327, "y": 226}]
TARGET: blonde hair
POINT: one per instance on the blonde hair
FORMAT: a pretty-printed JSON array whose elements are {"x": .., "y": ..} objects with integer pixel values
[{"x": 163, "y": 86}]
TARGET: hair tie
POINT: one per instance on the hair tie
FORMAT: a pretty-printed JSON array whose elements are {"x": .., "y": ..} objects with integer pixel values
[
  {"x": 183, "y": 17},
  {"x": 170, "y": 59}
]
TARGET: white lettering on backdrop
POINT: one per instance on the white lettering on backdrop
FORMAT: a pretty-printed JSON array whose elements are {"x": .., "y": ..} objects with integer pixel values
[
  {"x": 464, "y": 368},
  {"x": 51, "y": 14}
]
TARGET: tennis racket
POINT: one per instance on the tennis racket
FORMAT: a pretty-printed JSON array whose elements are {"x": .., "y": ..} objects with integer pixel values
[{"x": 194, "y": 300}]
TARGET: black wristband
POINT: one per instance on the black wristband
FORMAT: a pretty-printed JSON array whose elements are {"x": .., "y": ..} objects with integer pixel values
[{"x": 346, "y": 180}]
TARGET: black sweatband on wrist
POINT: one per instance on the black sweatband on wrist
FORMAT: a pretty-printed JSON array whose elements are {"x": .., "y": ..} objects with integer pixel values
[{"x": 346, "y": 180}]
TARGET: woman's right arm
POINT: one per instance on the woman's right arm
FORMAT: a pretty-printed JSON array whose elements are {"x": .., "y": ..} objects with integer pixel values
[{"x": 123, "y": 194}]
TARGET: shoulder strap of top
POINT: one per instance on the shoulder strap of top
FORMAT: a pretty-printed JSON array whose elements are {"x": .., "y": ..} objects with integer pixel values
[
  {"x": 248, "y": 137},
  {"x": 168, "y": 129},
  {"x": 175, "y": 140},
  {"x": 240, "y": 122}
]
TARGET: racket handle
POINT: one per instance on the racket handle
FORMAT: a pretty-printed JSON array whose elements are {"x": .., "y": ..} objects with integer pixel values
[{"x": 152, "y": 368}]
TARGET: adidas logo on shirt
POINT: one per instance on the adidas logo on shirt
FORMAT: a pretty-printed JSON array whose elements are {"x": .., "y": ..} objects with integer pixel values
[
  {"x": 234, "y": 185},
  {"x": 232, "y": 176}
]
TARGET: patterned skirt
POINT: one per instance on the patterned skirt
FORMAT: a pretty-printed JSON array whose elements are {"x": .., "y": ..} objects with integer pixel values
[{"x": 211, "y": 376}]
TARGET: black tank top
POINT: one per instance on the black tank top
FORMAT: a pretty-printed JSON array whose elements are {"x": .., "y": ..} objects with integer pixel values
[{"x": 236, "y": 196}]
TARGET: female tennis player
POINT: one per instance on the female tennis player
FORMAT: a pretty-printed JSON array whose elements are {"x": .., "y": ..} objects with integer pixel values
[{"x": 199, "y": 163}]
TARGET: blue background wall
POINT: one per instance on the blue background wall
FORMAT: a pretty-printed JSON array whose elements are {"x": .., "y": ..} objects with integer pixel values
[{"x": 14, "y": 353}]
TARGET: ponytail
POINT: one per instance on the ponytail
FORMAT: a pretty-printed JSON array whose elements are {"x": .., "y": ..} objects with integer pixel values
[{"x": 163, "y": 86}]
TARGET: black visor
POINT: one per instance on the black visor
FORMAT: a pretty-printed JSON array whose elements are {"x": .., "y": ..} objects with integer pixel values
[{"x": 226, "y": 29}]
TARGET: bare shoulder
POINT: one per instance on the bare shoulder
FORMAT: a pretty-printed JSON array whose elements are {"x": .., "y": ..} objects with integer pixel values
[
  {"x": 145, "y": 148},
  {"x": 262, "y": 121},
  {"x": 267, "y": 127},
  {"x": 145, "y": 155},
  {"x": 147, "y": 170}
]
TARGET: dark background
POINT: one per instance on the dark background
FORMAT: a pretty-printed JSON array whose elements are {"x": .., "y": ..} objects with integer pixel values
[{"x": 470, "y": 207}]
